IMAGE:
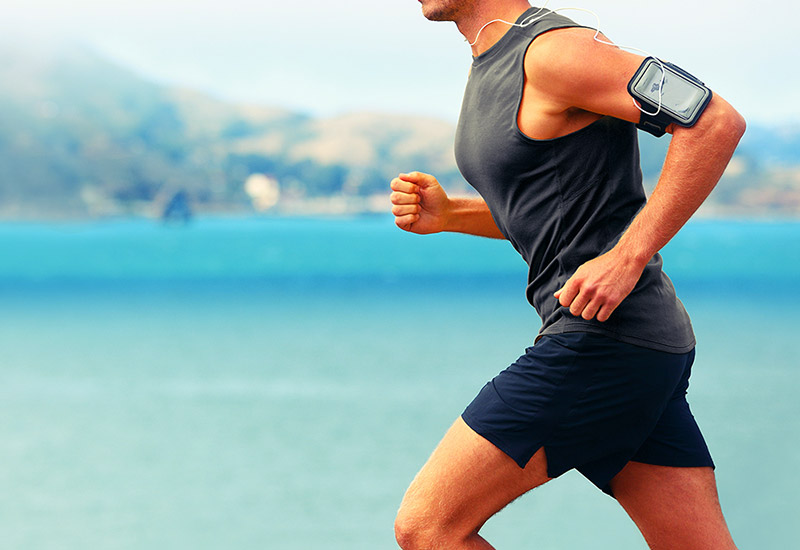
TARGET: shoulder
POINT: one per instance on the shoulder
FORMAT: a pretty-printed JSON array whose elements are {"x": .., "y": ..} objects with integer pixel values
[
  {"x": 561, "y": 52},
  {"x": 579, "y": 67}
]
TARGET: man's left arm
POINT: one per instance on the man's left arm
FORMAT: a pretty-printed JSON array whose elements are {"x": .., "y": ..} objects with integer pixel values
[
  {"x": 595, "y": 78},
  {"x": 696, "y": 159}
]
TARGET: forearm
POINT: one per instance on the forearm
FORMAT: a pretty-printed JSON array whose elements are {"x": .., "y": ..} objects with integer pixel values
[
  {"x": 471, "y": 215},
  {"x": 695, "y": 161}
]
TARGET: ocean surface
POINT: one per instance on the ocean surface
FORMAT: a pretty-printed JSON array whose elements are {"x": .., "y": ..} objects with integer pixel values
[{"x": 276, "y": 383}]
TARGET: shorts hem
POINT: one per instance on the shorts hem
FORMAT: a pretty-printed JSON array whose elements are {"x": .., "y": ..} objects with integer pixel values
[
  {"x": 687, "y": 463},
  {"x": 498, "y": 442}
]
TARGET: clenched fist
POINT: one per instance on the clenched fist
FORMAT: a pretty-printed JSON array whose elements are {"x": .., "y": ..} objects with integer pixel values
[{"x": 419, "y": 203}]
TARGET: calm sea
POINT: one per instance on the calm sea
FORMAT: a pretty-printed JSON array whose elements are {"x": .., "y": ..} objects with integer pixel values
[{"x": 276, "y": 383}]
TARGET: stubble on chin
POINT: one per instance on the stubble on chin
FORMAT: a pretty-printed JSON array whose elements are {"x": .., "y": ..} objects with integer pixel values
[{"x": 441, "y": 10}]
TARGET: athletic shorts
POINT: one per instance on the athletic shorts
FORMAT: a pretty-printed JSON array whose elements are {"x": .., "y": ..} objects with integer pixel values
[{"x": 593, "y": 403}]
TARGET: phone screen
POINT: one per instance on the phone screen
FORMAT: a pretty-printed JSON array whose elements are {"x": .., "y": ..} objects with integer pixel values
[{"x": 680, "y": 96}]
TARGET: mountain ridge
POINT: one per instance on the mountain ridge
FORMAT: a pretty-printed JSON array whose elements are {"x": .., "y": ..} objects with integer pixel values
[{"x": 83, "y": 137}]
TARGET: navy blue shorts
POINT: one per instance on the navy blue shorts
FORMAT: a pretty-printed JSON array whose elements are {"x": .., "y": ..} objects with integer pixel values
[{"x": 594, "y": 403}]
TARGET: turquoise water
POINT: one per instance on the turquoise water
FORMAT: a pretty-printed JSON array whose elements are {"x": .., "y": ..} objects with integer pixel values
[{"x": 274, "y": 383}]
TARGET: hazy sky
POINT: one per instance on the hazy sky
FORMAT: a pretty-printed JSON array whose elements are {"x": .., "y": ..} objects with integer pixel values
[{"x": 330, "y": 57}]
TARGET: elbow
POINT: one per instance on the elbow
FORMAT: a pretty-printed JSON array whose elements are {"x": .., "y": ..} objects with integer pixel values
[
  {"x": 735, "y": 124},
  {"x": 726, "y": 123},
  {"x": 720, "y": 124}
]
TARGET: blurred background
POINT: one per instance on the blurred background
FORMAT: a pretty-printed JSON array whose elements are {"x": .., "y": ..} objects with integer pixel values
[{"x": 212, "y": 333}]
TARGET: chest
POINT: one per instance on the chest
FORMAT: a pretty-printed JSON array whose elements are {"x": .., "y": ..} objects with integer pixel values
[{"x": 497, "y": 157}]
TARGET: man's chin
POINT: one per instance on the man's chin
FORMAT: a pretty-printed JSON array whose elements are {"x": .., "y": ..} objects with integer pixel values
[{"x": 433, "y": 12}]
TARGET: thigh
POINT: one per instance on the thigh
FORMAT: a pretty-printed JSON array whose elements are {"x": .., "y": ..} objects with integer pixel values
[
  {"x": 465, "y": 482},
  {"x": 673, "y": 507}
]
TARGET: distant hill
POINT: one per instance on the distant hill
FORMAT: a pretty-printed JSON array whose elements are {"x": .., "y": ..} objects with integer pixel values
[{"x": 82, "y": 137}]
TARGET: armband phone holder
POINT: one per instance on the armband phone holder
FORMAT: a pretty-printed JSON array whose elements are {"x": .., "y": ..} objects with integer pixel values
[{"x": 672, "y": 95}]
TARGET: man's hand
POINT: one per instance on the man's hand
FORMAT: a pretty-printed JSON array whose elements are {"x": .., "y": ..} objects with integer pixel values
[
  {"x": 599, "y": 286},
  {"x": 419, "y": 203}
]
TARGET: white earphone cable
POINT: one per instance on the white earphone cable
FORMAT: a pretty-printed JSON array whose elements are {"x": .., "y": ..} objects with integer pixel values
[{"x": 535, "y": 17}]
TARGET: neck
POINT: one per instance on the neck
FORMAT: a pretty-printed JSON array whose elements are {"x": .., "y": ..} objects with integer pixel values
[{"x": 470, "y": 23}]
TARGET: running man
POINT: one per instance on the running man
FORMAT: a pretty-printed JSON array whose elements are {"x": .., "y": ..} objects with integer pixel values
[{"x": 547, "y": 135}]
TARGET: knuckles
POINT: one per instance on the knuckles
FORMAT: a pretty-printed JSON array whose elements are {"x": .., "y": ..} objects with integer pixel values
[
  {"x": 405, "y": 210},
  {"x": 399, "y": 197},
  {"x": 401, "y": 186}
]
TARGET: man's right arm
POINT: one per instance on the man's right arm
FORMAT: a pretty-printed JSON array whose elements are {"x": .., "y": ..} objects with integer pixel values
[{"x": 420, "y": 205}]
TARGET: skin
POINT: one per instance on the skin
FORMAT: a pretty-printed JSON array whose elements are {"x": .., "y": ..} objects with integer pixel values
[{"x": 571, "y": 81}]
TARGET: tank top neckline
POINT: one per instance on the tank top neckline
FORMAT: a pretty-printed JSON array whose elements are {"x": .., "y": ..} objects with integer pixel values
[{"x": 498, "y": 46}]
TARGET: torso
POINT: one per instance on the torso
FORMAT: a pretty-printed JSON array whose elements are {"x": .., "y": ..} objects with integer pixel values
[{"x": 562, "y": 184}]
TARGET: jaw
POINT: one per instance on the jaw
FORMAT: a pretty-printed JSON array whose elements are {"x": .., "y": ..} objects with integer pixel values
[{"x": 444, "y": 10}]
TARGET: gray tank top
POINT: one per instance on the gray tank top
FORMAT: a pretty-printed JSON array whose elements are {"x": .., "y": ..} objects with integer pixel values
[{"x": 564, "y": 201}]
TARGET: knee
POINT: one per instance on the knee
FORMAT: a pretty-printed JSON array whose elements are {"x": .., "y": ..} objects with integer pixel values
[
  {"x": 407, "y": 532},
  {"x": 414, "y": 532}
]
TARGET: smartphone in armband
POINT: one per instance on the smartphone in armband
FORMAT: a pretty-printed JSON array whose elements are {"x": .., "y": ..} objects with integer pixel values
[{"x": 665, "y": 89}]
